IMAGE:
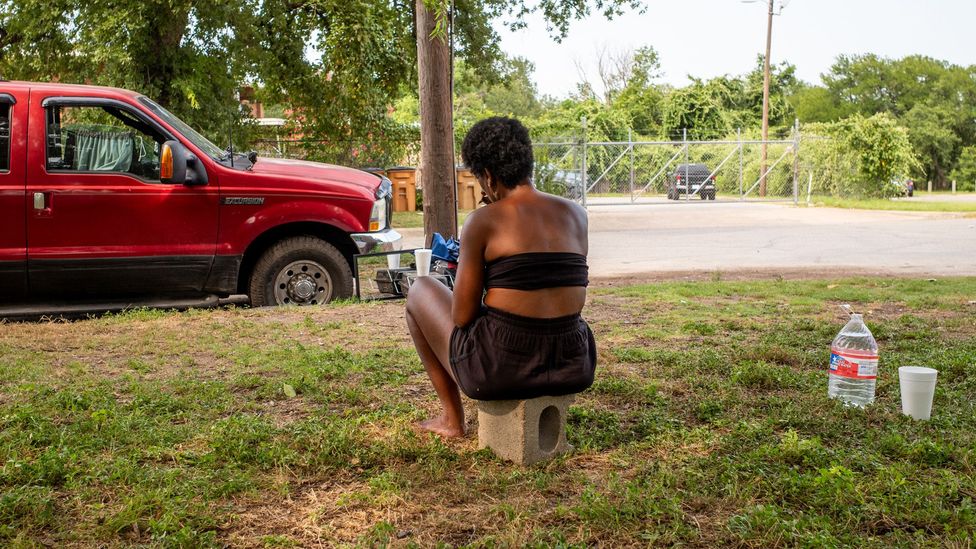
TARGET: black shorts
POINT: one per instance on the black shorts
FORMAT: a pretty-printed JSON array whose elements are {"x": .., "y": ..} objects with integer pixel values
[{"x": 502, "y": 356}]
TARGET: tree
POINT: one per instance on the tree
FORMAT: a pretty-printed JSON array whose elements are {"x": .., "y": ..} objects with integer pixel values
[
  {"x": 338, "y": 66},
  {"x": 816, "y": 104},
  {"x": 620, "y": 69},
  {"x": 512, "y": 93},
  {"x": 932, "y": 98},
  {"x": 139, "y": 45},
  {"x": 715, "y": 108},
  {"x": 700, "y": 109},
  {"x": 640, "y": 98},
  {"x": 964, "y": 174},
  {"x": 782, "y": 84},
  {"x": 192, "y": 55},
  {"x": 437, "y": 171},
  {"x": 515, "y": 93},
  {"x": 930, "y": 131}
]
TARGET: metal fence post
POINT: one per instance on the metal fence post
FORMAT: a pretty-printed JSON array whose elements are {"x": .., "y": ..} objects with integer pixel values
[
  {"x": 583, "y": 147},
  {"x": 684, "y": 141},
  {"x": 738, "y": 133},
  {"x": 630, "y": 143},
  {"x": 796, "y": 160},
  {"x": 809, "y": 186}
]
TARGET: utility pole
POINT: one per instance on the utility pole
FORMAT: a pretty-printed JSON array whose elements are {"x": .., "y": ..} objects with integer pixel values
[
  {"x": 437, "y": 171},
  {"x": 765, "y": 106}
]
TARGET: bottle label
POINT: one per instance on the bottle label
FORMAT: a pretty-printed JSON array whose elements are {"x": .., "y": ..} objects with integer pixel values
[{"x": 853, "y": 364}]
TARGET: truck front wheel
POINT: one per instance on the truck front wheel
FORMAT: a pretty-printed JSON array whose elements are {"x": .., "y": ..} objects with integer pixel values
[{"x": 302, "y": 270}]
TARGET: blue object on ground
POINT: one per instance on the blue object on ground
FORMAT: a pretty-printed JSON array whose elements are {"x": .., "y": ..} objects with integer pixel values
[{"x": 447, "y": 250}]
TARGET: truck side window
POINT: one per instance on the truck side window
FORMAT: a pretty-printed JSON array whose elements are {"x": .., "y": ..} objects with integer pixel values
[
  {"x": 101, "y": 139},
  {"x": 4, "y": 137}
]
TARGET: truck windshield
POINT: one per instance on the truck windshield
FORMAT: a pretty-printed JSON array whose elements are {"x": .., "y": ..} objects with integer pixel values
[{"x": 200, "y": 141}]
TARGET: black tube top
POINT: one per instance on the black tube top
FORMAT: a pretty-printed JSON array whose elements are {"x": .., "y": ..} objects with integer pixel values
[{"x": 537, "y": 270}]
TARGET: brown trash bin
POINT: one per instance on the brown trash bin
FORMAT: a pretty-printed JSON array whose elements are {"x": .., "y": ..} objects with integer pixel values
[
  {"x": 404, "y": 180},
  {"x": 468, "y": 190}
]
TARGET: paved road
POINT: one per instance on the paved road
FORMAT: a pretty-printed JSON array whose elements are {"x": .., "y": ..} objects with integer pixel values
[{"x": 728, "y": 237}]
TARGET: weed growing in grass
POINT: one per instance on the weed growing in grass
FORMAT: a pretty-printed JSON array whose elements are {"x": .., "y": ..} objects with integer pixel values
[
  {"x": 700, "y": 328},
  {"x": 277, "y": 541},
  {"x": 708, "y": 410},
  {"x": 246, "y": 440},
  {"x": 646, "y": 505},
  {"x": 624, "y": 388},
  {"x": 630, "y": 354},
  {"x": 593, "y": 429},
  {"x": 760, "y": 375},
  {"x": 26, "y": 509}
]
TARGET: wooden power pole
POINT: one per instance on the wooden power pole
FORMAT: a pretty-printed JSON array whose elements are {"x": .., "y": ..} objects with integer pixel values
[
  {"x": 436, "y": 125},
  {"x": 765, "y": 105}
]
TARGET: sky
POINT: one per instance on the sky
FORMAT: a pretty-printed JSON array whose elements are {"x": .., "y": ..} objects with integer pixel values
[{"x": 708, "y": 38}]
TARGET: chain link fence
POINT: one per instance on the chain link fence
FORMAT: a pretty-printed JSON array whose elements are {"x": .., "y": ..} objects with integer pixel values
[
  {"x": 648, "y": 171},
  {"x": 558, "y": 168},
  {"x": 633, "y": 171}
]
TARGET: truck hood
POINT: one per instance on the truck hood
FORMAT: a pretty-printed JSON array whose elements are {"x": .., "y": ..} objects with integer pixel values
[{"x": 301, "y": 169}]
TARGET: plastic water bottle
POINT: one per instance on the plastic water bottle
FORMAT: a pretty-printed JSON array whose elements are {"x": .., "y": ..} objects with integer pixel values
[{"x": 853, "y": 363}]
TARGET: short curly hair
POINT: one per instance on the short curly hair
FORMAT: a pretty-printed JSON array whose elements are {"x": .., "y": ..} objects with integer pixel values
[{"x": 500, "y": 146}]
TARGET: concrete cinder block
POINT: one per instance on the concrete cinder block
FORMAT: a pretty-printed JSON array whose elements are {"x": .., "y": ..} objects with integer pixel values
[{"x": 524, "y": 431}]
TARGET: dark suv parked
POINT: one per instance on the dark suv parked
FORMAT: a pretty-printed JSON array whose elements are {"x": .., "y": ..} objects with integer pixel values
[{"x": 697, "y": 177}]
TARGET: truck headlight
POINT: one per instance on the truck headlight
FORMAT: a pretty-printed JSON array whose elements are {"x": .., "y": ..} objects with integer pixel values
[{"x": 377, "y": 217}]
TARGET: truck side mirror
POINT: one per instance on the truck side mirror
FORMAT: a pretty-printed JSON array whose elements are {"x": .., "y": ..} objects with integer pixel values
[{"x": 180, "y": 166}]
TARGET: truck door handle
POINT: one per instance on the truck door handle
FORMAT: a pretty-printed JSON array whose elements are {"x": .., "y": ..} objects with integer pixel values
[{"x": 40, "y": 201}]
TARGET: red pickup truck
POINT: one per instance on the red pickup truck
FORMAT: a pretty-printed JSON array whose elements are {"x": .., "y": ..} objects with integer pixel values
[{"x": 105, "y": 195}]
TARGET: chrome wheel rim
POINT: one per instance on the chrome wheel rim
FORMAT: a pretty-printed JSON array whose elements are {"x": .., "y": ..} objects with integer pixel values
[{"x": 301, "y": 283}]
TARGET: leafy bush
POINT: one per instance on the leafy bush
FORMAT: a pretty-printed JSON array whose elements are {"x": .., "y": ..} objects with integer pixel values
[
  {"x": 964, "y": 173},
  {"x": 862, "y": 157}
]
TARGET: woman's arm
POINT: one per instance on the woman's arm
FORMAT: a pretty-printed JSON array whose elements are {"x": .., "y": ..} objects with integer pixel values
[{"x": 469, "y": 284}]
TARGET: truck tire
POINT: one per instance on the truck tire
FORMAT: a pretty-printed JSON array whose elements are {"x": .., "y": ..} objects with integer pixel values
[{"x": 302, "y": 270}]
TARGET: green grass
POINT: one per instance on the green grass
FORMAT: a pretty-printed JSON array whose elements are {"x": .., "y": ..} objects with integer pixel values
[
  {"x": 901, "y": 204},
  {"x": 413, "y": 220},
  {"x": 708, "y": 425}
]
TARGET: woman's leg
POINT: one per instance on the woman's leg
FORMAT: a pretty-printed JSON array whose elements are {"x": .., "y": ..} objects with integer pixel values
[{"x": 430, "y": 322}]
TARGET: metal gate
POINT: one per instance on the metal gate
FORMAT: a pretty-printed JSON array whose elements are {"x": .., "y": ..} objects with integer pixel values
[{"x": 629, "y": 172}]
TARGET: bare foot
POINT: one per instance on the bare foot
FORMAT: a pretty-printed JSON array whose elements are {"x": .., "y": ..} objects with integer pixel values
[{"x": 441, "y": 426}]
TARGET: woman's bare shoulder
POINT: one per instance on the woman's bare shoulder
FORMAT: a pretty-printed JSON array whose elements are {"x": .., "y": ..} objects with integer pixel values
[
  {"x": 569, "y": 207},
  {"x": 478, "y": 223}
]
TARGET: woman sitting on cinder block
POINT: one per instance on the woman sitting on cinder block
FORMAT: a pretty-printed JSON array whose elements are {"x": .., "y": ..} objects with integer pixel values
[{"x": 525, "y": 338}]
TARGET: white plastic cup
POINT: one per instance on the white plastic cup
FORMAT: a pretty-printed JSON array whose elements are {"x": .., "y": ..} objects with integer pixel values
[
  {"x": 393, "y": 261},
  {"x": 423, "y": 261},
  {"x": 917, "y": 390}
]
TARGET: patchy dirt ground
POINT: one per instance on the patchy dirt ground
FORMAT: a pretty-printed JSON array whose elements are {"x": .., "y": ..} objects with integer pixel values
[{"x": 180, "y": 424}]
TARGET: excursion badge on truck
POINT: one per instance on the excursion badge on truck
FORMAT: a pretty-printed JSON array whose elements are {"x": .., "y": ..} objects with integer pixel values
[{"x": 242, "y": 201}]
